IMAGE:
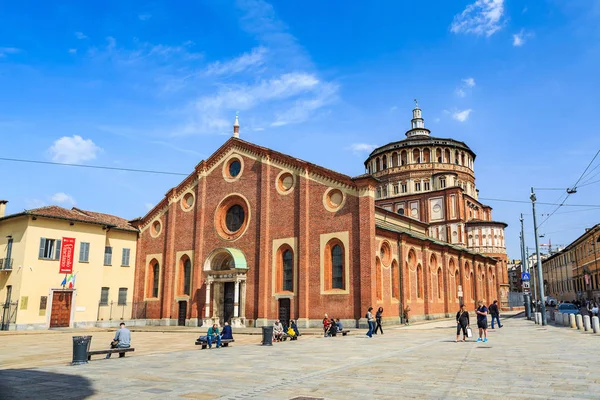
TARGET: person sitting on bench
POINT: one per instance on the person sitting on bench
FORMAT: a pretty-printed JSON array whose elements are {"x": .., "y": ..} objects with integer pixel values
[
  {"x": 277, "y": 331},
  {"x": 227, "y": 333},
  {"x": 338, "y": 325},
  {"x": 290, "y": 332},
  {"x": 122, "y": 339},
  {"x": 213, "y": 334}
]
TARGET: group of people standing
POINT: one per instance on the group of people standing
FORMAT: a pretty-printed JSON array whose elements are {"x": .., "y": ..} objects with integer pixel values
[
  {"x": 463, "y": 323},
  {"x": 372, "y": 321}
]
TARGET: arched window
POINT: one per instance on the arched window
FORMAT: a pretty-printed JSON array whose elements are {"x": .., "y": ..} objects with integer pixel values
[
  {"x": 419, "y": 282},
  {"x": 416, "y": 156},
  {"x": 426, "y": 156},
  {"x": 447, "y": 156},
  {"x": 472, "y": 279},
  {"x": 456, "y": 157},
  {"x": 187, "y": 276},
  {"x": 153, "y": 279},
  {"x": 438, "y": 155},
  {"x": 384, "y": 160},
  {"x": 395, "y": 280},
  {"x": 394, "y": 160},
  {"x": 378, "y": 283},
  {"x": 377, "y": 166},
  {"x": 440, "y": 282},
  {"x": 287, "y": 259},
  {"x": 337, "y": 267},
  {"x": 403, "y": 157}
]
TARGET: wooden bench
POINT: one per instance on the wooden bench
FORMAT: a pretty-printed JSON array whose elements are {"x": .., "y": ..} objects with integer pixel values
[
  {"x": 121, "y": 352},
  {"x": 204, "y": 343}
]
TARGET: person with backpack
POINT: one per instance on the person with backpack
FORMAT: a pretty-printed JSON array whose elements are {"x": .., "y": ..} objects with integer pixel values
[
  {"x": 495, "y": 312},
  {"x": 369, "y": 317}
]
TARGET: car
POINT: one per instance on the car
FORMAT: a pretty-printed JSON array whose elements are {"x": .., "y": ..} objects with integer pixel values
[{"x": 568, "y": 308}]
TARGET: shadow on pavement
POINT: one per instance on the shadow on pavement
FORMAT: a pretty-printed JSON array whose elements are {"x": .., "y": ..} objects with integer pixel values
[{"x": 33, "y": 384}]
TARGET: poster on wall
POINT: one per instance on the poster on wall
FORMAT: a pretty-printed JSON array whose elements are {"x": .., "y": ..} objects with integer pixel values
[{"x": 66, "y": 255}]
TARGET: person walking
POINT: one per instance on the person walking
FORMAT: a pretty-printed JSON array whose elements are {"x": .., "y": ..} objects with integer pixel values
[
  {"x": 462, "y": 323},
  {"x": 378, "y": 320},
  {"x": 406, "y": 315},
  {"x": 495, "y": 312},
  {"x": 482, "y": 313},
  {"x": 369, "y": 318}
]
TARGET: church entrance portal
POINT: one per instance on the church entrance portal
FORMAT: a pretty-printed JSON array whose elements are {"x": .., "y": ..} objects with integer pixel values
[
  {"x": 284, "y": 311},
  {"x": 182, "y": 313},
  {"x": 225, "y": 287}
]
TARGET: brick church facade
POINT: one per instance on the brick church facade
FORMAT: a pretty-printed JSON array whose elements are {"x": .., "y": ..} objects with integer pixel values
[{"x": 253, "y": 235}]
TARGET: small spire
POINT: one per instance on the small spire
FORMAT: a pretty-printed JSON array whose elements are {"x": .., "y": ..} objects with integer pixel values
[
  {"x": 416, "y": 103},
  {"x": 236, "y": 126}
]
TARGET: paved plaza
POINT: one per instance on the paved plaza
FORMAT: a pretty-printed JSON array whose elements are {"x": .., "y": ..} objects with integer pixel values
[{"x": 520, "y": 361}]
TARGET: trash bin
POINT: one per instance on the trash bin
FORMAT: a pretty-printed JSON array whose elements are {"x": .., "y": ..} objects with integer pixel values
[
  {"x": 267, "y": 332},
  {"x": 81, "y": 346}
]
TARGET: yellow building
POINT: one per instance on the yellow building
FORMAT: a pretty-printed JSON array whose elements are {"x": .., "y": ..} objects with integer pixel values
[{"x": 35, "y": 295}]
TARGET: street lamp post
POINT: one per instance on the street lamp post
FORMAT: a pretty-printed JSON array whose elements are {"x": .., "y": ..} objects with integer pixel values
[
  {"x": 524, "y": 268},
  {"x": 539, "y": 261}
]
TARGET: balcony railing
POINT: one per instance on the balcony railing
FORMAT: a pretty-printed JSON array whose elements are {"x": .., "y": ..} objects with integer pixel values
[{"x": 6, "y": 264}]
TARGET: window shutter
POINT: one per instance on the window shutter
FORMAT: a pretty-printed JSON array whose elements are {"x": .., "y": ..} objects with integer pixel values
[
  {"x": 42, "y": 246},
  {"x": 57, "y": 252},
  {"x": 125, "y": 258},
  {"x": 87, "y": 252}
]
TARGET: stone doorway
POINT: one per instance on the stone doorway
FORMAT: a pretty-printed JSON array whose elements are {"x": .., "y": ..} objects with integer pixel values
[
  {"x": 225, "y": 287},
  {"x": 182, "y": 313},
  {"x": 60, "y": 316},
  {"x": 284, "y": 311}
]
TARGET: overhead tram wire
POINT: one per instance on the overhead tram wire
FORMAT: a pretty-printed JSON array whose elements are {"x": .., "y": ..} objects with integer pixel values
[
  {"x": 548, "y": 204},
  {"x": 570, "y": 191},
  {"x": 92, "y": 166}
]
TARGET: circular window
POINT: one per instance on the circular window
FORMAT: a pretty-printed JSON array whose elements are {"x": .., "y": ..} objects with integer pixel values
[
  {"x": 436, "y": 208},
  {"x": 188, "y": 201},
  {"x": 285, "y": 182},
  {"x": 414, "y": 212},
  {"x": 156, "y": 227},
  {"x": 232, "y": 216},
  {"x": 454, "y": 234},
  {"x": 334, "y": 199},
  {"x": 233, "y": 168},
  {"x": 386, "y": 253}
]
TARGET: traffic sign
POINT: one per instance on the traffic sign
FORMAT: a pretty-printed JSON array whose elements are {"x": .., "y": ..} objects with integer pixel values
[
  {"x": 525, "y": 276},
  {"x": 526, "y": 285}
]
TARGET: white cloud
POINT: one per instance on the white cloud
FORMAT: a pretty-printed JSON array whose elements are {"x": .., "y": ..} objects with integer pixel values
[
  {"x": 144, "y": 17},
  {"x": 393, "y": 108},
  {"x": 469, "y": 82},
  {"x": 460, "y": 92},
  {"x": 519, "y": 38},
  {"x": 358, "y": 148},
  {"x": 239, "y": 64},
  {"x": 73, "y": 150},
  {"x": 462, "y": 116},
  {"x": 72, "y": 51},
  {"x": 207, "y": 114},
  {"x": 63, "y": 198},
  {"x": 80, "y": 35},
  {"x": 4, "y": 51},
  {"x": 484, "y": 17}
]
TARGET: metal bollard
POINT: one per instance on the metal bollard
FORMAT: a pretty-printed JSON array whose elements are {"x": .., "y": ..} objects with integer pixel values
[
  {"x": 565, "y": 319},
  {"x": 557, "y": 318},
  {"x": 572, "y": 321},
  {"x": 586, "y": 323},
  {"x": 595, "y": 324},
  {"x": 579, "y": 321}
]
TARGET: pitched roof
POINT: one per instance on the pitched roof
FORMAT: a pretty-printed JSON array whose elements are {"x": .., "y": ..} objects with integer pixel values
[{"x": 77, "y": 215}]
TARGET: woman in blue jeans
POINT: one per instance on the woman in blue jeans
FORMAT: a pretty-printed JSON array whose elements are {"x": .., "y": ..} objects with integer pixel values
[{"x": 370, "y": 321}]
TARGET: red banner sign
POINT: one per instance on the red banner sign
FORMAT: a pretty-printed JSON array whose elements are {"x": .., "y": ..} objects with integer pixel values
[{"x": 67, "y": 252}]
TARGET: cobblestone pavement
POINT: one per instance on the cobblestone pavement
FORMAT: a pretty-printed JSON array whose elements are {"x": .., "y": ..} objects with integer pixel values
[{"x": 520, "y": 361}]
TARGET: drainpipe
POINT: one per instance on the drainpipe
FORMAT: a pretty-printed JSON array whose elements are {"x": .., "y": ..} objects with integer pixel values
[{"x": 401, "y": 276}]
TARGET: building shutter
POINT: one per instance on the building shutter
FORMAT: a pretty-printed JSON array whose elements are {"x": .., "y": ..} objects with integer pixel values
[
  {"x": 107, "y": 255},
  {"x": 57, "y": 252},
  {"x": 125, "y": 258},
  {"x": 122, "y": 296},
  {"x": 42, "y": 247},
  {"x": 87, "y": 252}
]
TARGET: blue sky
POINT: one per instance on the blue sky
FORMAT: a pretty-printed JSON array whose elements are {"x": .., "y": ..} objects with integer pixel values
[{"x": 155, "y": 85}]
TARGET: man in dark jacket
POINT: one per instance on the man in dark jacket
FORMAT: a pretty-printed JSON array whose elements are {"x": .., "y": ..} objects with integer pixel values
[{"x": 495, "y": 312}]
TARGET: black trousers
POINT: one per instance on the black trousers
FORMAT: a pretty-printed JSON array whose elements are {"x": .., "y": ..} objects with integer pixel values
[
  {"x": 461, "y": 327},
  {"x": 378, "y": 326}
]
